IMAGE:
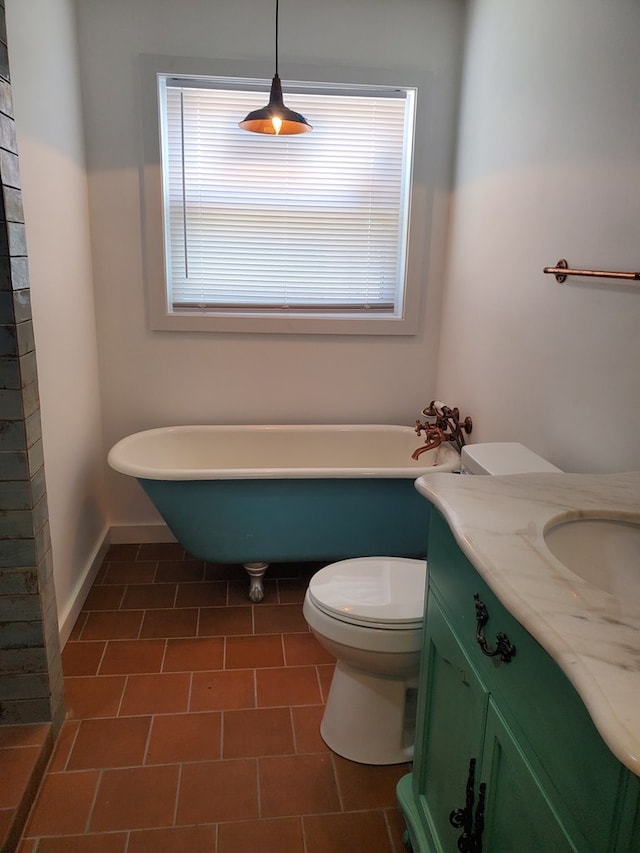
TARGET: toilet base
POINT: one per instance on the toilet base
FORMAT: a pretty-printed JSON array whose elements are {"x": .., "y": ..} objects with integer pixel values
[{"x": 370, "y": 719}]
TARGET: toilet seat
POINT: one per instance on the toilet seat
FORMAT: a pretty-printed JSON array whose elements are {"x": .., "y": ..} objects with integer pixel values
[{"x": 372, "y": 592}]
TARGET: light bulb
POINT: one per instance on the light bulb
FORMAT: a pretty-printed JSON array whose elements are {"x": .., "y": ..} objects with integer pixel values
[{"x": 276, "y": 121}]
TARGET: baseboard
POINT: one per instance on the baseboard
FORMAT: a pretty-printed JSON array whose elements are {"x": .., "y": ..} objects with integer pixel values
[
  {"x": 68, "y": 619},
  {"x": 124, "y": 534}
]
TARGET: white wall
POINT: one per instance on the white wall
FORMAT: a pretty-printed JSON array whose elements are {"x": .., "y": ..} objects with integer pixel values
[
  {"x": 156, "y": 378},
  {"x": 548, "y": 167},
  {"x": 44, "y": 72}
]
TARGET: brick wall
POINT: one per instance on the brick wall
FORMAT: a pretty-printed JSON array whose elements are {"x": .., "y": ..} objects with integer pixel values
[{"x": 30, "y": 666}]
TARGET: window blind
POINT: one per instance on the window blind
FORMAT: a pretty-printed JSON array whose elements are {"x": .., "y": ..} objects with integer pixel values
[{"x": 309, "y": 223}]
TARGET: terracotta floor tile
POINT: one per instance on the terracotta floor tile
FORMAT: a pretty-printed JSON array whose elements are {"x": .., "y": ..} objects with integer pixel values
[
  {"x": 292, "y": 590},
  {"x": 213, "y": 691},
  {"x": 135, "y": 798},
  {"x": 239, "y": 592},
  {"x": 300, "y": 649},
  {"x": 17, "y": 766},
  {"x": 104, "y": 598},
  {"x": 25, "y": 734},
  {"x": 82, "y": 658},
  {"x": 297, "y": 785},
  {"x": 198, "y": 653},
  {"x": 143, "y": 596},
  {"x": 218, "y": 791},
  {"x": 180, "y": 570},
  {"x": 112, "y": 625},
  {"x": 170, "y": 623},
  {"x": 6, "y": 820},
  {"x": 63, "y": 803},
  {"x": 283, "y": 835},
  {"x": 397, "y": 826},
  {"x": 367, "y": 787},
  {"x": 130, "y": 571},
  {"x": 205, "y": 594},
  {"x": 292, "y": 685},
  {"x": 112, "y": 842},
  {"x": 219, "y": 621},
  {"x": 181, "y": 839},
  {"x": 257, "y": 731},
  {"x": 226, "y": 721},
  {"x": 347, "y": 831},
  {"x": 112, "y": 742},
  {"x": 63, "y": 745},
  {"x": 306, "y": 728},
  {"x": 184, "y": 737},
  {"x": 325, "y": 676},
  {"x": 132, "y": 656},
  {"x": 99, "y": 576},
  {"x": 279, "y": 618},
  {"x": 161, "y": 551},
  {"x": 156, "y": 694},
  {"x": 121, "y": 552},
  {"x": 93, "y": 696},
  {"x": 253, "y": 651},
  {"x": 76, "y": 631}
]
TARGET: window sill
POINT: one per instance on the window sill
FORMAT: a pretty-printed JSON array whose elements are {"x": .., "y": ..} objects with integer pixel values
[{"x": 296, "y": 325}]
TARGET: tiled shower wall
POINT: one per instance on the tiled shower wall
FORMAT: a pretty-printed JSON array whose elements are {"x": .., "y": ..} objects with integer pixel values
[{"x": 30, "y": 665}]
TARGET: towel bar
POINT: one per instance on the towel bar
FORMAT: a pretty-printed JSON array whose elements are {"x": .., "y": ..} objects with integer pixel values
[{"x": 561, "y": 271}]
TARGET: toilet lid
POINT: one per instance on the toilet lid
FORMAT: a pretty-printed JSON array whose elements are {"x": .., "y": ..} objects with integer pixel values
[{"x": 383, "y": 591}]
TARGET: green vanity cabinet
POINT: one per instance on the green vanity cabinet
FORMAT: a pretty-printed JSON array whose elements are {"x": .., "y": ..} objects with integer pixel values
[
  {"x": 461, "y": 722},
  {"x": 543, "y": 780}
]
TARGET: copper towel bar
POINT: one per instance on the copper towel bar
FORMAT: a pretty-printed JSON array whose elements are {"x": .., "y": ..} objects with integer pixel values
[{"x": 561, "y": 271}]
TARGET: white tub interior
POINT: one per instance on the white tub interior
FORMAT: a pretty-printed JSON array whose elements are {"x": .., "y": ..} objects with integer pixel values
[{"x": 241, "y": 451}]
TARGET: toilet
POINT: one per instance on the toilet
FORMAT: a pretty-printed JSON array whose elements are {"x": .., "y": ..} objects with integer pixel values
[{"x": 368, "y": 613}]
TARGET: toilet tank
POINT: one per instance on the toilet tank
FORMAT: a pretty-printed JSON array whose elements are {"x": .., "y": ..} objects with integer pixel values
[{"x": 502, "y": 457}]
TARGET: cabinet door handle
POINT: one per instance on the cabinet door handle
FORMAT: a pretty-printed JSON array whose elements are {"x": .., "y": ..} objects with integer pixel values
[
  {"x": 471, "y": 839},
  {"x": 463, "y": 818},
  {"x": 504, "y": 649}
]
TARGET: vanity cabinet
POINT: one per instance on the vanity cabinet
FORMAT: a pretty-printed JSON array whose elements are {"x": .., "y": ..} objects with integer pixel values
[{"x": 507, "y": 759}]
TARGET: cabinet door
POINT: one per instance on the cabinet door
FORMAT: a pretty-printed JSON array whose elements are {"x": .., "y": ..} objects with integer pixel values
[
  {"x": 544, "y": 712},
  {"x": 628, "y": 840},
  {"x": 518, "y": 815},
  {"x": 452, "y": 713}
]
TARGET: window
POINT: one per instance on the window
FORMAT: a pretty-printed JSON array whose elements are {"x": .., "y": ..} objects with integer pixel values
[{"x": 300, "y": 233}]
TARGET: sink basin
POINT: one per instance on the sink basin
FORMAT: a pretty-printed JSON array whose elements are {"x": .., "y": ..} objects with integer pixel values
[{"x": 605, "y": 552}]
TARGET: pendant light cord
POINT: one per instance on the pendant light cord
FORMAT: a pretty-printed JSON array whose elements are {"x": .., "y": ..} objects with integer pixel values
[{"x": 277, "y": 4}]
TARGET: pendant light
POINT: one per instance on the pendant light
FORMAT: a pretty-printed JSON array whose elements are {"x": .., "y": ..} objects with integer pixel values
[{"x": 275, "y": 118}]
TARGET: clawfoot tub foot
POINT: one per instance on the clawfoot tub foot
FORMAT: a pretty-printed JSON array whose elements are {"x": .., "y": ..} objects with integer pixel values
[{"x": 256, "y": 573}]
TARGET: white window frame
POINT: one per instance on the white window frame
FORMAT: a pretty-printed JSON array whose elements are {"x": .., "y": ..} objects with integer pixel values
[{"x": 161, "y": 315}]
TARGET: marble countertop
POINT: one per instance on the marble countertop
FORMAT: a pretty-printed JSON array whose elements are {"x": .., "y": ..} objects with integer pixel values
[{"x": 499, "y": 523}]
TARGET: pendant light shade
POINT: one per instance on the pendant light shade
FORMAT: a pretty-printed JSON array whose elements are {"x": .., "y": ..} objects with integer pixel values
[{"x": 275, "y": 119}]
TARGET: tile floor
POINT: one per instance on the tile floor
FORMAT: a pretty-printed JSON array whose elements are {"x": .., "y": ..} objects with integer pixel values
[
  {"x": 24, "y": 751},
  {"x": 192, "y": 722}
]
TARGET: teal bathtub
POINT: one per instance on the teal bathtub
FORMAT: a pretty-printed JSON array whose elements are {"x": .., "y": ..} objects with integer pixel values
[{"x": 261, "y": 494}]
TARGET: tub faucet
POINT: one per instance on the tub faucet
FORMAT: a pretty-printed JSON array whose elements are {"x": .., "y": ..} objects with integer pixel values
[{"x": 442, "y": 424}]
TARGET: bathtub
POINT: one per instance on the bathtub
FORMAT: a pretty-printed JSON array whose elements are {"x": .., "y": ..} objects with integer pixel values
[{"x": 262, "y": 494}]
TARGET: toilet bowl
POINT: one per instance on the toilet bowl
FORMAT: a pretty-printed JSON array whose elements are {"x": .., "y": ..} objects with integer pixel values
[{"x": 368, "y": 613}]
